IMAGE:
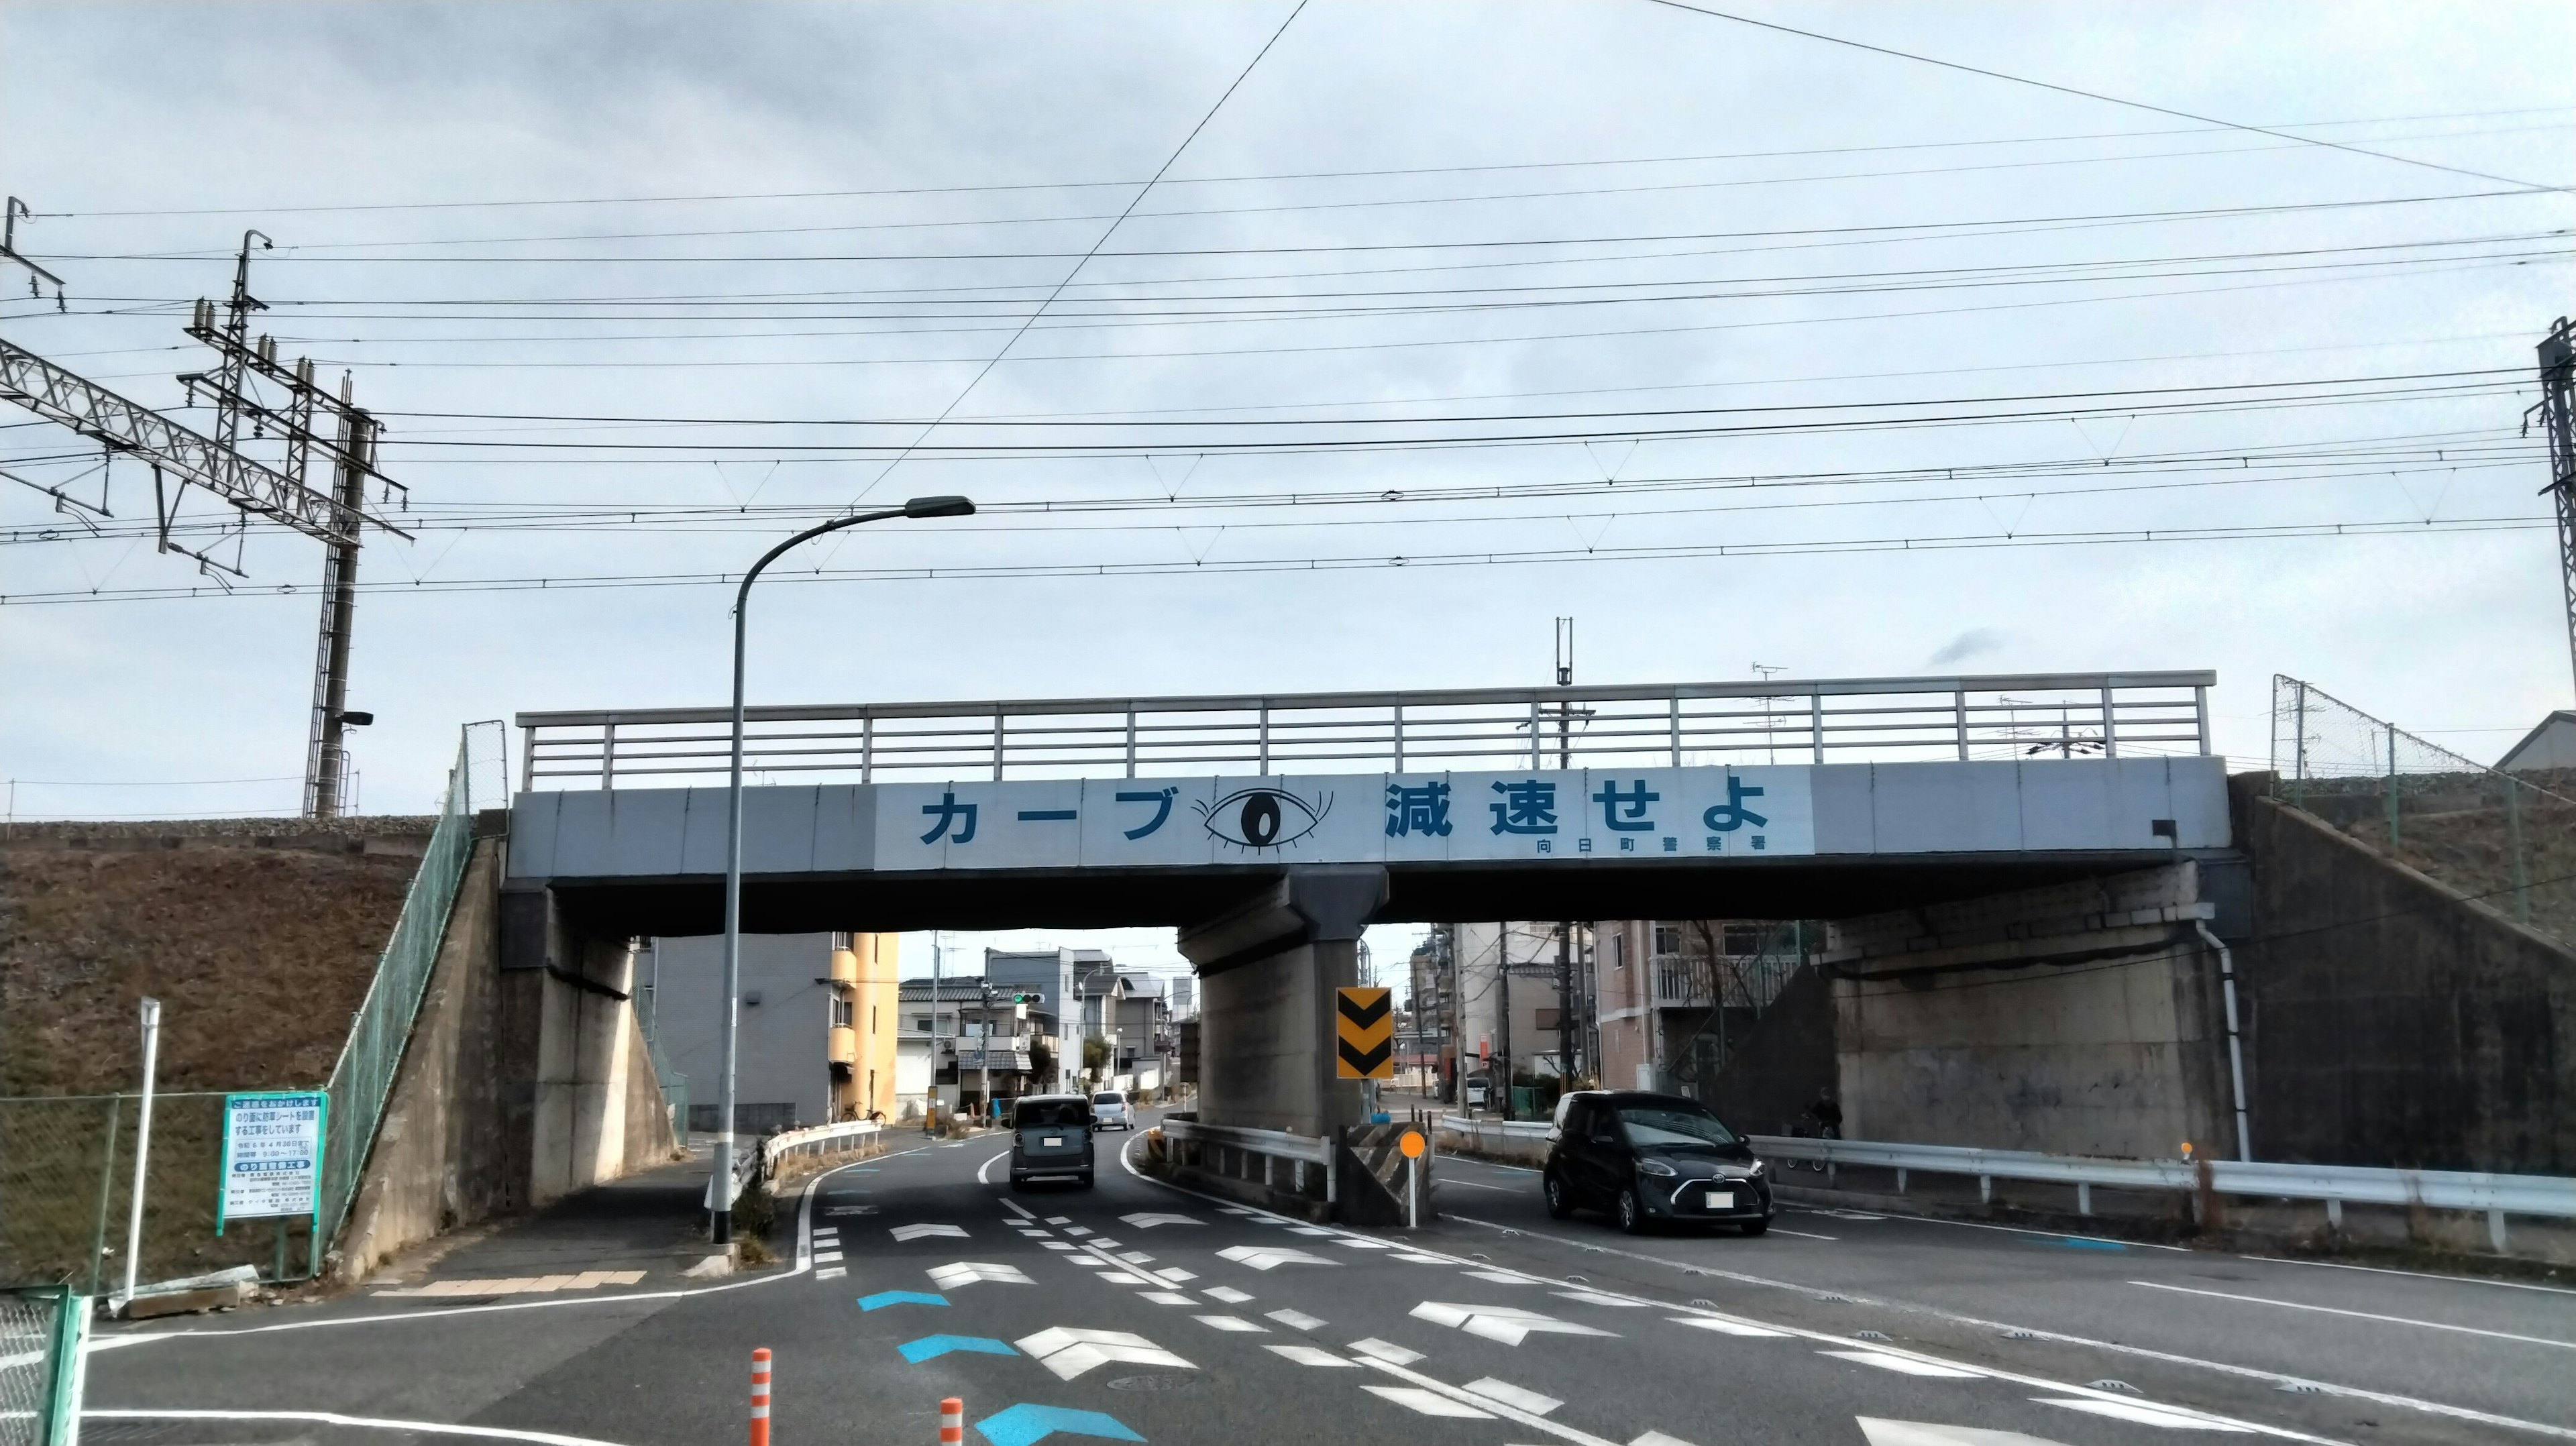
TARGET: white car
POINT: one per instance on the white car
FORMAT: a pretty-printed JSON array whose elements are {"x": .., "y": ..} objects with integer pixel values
[{"x": 1109, "y": 1109}]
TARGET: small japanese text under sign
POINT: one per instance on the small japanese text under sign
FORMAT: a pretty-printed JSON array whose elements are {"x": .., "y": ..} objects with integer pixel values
[{"x": 272, "y": 1156}]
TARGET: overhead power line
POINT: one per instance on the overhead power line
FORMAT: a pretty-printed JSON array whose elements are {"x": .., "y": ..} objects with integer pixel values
[
  {"x": 1965, "y": 68},
  {"x": 1382, "y": 172},
  {"x": 1491, "y": 558}
]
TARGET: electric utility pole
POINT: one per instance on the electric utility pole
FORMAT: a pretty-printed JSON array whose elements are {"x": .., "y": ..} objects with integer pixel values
[
  {"x": 2557, "y": 378},
  {"x": 1565, "y": 927}
]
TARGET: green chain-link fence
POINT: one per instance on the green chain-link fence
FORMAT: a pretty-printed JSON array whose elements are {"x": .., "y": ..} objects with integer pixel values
[
  {"x": 675, "y": 1085},
  {"x": 2507, "y": 839},
  {"x": 67, "y": 1183},
  {"x": 364, "y": 1075},
  {"x": 40, "y": 1366},
  {"x": 67, "y": 1161}
]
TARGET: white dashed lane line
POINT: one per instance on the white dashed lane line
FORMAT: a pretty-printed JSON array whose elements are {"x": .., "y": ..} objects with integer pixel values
[{"x": 2430, "y": 1325}]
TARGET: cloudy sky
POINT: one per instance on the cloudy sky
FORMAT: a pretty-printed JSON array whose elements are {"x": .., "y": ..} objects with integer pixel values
[{"x": 638, "y": 289}]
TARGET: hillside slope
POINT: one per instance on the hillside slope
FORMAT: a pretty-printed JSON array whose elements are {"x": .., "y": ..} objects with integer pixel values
[{"x": 258, "y": 954}]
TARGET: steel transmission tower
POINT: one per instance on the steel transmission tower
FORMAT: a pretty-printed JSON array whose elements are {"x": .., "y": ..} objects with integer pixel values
[
  {"x": 247, "y": 373},
  {"x": 2557, "y": 373}
]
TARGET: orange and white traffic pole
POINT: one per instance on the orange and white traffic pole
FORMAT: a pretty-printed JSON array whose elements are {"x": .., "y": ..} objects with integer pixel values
[
  {"x": 952, "y": 1421},
  {"x": 760, "y": 1397}
]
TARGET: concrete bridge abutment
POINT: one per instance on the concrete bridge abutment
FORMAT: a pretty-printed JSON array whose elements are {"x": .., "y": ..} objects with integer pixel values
[
  {"x": 1269, "y": 969},
  {"x": 2081, "y": 1018}
]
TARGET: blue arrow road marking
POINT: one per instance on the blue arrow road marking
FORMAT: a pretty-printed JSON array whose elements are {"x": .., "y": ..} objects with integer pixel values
[
  {"x": 1024, "y": 1424},
  {"x": 885, "y": 1298},
  {"x": 932, "y": 1347}
]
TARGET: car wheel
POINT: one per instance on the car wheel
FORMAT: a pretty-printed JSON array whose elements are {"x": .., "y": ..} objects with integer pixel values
[
  {"x": 1632, "y": 1218},
  {"x": 1560, "y": 1205},
  {"x": 1756, "y": 1227}
]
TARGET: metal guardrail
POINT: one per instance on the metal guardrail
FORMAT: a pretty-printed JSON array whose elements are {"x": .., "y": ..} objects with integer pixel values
[
  {"x": 2546, "y": 1195},
  {"x": 2336, "y": 1185},
  {"x": 815, "y": 1140},
  {"x": 1271, "y": 1144},
  {"x": 1995, "y": 716}
]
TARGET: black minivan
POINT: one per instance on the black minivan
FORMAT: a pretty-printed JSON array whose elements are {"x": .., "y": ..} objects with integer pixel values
[
  {"x": 1652, "y": 1157},
  {"x": 1051, "y": 1139}
]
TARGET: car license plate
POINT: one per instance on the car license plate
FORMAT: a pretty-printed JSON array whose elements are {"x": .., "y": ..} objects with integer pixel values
[
  {"x": 1051, "y": 1141},
  {"x": 1720, "y": 1199}
]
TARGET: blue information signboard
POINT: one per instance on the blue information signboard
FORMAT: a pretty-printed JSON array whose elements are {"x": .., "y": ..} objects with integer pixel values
[{"x": 272, "y": 1156}]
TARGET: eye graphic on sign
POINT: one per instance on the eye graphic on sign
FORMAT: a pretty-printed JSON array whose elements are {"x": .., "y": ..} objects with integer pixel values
[{"x": 1264, "y": 818}]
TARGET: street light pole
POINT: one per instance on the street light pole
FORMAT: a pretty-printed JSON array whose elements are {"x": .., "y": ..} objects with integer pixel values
[{"x": 720, "y": 1183}]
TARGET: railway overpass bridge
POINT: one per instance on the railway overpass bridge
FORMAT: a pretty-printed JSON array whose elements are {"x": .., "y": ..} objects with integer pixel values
[{"x": 1954, "y": 823}]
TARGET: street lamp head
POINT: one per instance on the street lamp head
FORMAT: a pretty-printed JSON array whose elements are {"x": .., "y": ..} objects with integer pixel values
[{"x": 939, "y": 507}]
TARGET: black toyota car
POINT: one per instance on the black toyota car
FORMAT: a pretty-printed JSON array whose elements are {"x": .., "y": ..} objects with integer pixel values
[{"x": 1652, "y": 1157}]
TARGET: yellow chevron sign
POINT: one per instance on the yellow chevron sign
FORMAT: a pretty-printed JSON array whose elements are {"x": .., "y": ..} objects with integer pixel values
[{"x": 1367, "y": 1029}]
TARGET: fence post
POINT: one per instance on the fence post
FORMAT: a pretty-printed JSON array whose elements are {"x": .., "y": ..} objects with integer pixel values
[
  {"x": 106, "y": 1193},
  {"x": 2513, "y": 844},
  {"x": 2299, "y": 744},
  {"x": 142, "y": 1147},
  {"x": 2390, "y": 789}
]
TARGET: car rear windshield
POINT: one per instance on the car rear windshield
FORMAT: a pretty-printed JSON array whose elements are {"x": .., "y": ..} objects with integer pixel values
[
  {"x": 1110, "y": 1097},
  {"x": 1051, "y": 1114},
  {"x": 1667, "y": 1125}
]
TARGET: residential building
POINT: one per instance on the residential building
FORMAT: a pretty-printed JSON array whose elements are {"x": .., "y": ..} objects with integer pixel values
[
  {"x": 1677, "y": 993},
  {"x": 974, "y": 1041},
  {"x": 1505, "y": 1000},
  {"x": 815, "y": 1034}
]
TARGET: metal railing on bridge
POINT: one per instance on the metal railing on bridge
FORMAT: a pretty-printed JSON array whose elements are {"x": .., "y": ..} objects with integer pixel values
[{"x": 2014, "y": 716}]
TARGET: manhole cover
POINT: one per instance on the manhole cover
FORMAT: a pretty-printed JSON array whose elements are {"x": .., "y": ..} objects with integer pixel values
[{"x": 1169, "y": 1381}]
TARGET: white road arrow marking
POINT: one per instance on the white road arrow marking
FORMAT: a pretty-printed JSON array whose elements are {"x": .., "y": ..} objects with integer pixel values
[
  {"x": 967, "y": 1272},
  {"x": 1904, "y": 1365},
  {"x": 1311, "y": 1356},
  {"x": 1069, "y": 1351},
  {"x": 1167, "y": 1297},
  {"x": 1228, "y": 1294},
  {"x": 1295, "y": 1320},
  {"x": 1148, "y": 1219},
  {"x": 1429, "y": 1403},
  {"x": 916, "y": 1232},
  {"x": 1266, "y": 1257},
  {"x": 2145, "y": 1414},
  {"x": 1506, "y": 1323},
  {"x": 1594, "y": 1297},
  {"x": 1726, "y": 1327},
  {"x": 1511, "y": 1395},
  {"x": 1234, "y": 1323},
  {"x": 1387, "y": 1351},
  {"x": 1925, "y": 1433}
]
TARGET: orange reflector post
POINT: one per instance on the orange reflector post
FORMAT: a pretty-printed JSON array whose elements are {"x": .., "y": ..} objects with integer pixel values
[
  {"x": 952, "y": 1421},
  {"x": 760, "y": 1397}
]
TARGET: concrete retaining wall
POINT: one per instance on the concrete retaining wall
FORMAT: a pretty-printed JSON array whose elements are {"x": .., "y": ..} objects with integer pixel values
[
  {"x": 2391, "y": 1021},
  {"x": 516, "y": 1087}
]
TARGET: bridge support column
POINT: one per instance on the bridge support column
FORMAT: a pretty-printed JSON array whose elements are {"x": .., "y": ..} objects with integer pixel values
[{"x": 1268, "y": 971}]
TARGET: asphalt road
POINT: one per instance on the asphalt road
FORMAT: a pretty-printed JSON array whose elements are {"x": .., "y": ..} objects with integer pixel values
[{"x": 1134, "y": 1310}]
